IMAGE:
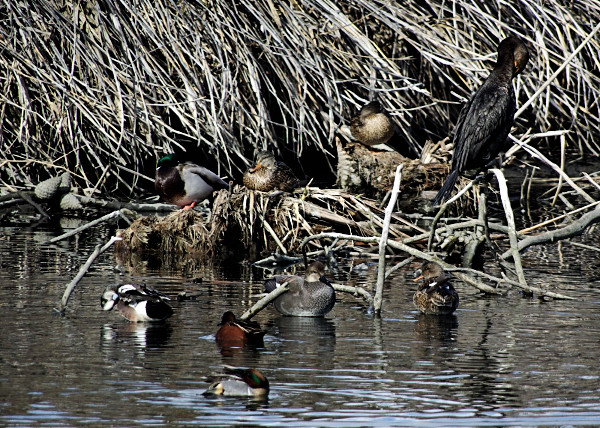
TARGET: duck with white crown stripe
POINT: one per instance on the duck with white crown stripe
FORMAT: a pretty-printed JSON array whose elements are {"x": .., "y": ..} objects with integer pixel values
[{"x": 137, "y": 303}]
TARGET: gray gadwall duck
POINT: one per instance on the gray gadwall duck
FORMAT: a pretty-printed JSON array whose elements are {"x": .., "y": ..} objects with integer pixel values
[
  {"x": 136, "y": 302},
  {"x": 240, "y": 383},
  {"x": 485, "y": 120},
  {"x": 308, "y": 296},
  {"x": 436, "y": 295},
  {"x": 269, "y": 174},
  {"x": 184, "y": 183}
]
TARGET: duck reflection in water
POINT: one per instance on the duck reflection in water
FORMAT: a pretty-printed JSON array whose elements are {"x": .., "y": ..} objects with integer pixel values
[{"x": 144, "y": 336}]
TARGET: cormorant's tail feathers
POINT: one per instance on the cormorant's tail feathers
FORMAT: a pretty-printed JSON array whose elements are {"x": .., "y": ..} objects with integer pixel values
[{"x": 446, "y": 188}]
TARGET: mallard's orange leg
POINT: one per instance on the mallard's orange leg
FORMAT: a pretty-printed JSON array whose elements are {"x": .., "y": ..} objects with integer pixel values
[{"x": 190, "y": 206}]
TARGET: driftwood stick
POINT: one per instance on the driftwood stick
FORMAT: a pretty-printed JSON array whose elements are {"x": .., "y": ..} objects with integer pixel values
[
  {"x": 443, "y": 208},
  {"x": 357, "y": 291},
  {"x": 573, "y": 229},
  {"x": 555, "y": 219},
  {"x": 510, "y": 219},
  {"x": 262, "y": 303},
  {"x": 85, "y": 200},
  {"x": 384, "y": 238},
  {"x": 82, "y": 271},
  {"x": 403, "y": 247},
  {"x": 125, "y": 214},
  {"x": 536, "y": 153},
  {"x": 25, "y": 196}
]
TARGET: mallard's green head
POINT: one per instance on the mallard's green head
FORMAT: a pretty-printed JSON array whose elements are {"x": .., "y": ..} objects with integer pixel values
[{"x": 168, "y": 161}]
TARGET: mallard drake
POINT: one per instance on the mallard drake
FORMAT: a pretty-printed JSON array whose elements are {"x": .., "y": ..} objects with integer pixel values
[
  {"x": 241, "y": 383},
  {"x": 184, "y": 183},
  {"x": 485, "y": 120},
  {"x": 308, "y": 296},
  {"x": 269, "y": 174},
  {"x": 237, "y": 332},
  {"x": 435, "y": 295},
  {"x": 136, "y": 302}
]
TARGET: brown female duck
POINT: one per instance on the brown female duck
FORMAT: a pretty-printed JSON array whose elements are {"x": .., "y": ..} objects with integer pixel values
[
  {"x": 436, "y": 295},
  {"x": 269, "y": 174}
]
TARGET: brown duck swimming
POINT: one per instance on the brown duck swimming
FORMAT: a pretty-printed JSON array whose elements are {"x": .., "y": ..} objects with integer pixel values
[
  {"x": 308, "y": 296},
  {"x": 238, "y": 333},
  {"x": 436, "y": 295},
  {"x": 269, "y": 174},
  {"x": 485, "y": 121}
]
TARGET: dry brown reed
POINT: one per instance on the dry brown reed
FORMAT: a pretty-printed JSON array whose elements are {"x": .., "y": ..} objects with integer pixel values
[{"x": 103, "y": 88}]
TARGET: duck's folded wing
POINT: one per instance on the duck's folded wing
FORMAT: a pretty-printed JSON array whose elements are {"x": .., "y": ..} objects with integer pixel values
[{"x": 207, "y": 175}]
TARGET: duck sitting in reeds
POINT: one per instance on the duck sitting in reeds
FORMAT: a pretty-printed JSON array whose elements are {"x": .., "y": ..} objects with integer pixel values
[
  {"x": 184, "y": 183},
  {"x": 436, "y": 295},
  {"x": 237, "y": 333},
  {"x": 136, "y": 302},
  {"x": 308, "y": 296},
  {"x": 240, "y": 383},
  {"x": 269, "y": 174},
  {"x": 373, "y": 126}
]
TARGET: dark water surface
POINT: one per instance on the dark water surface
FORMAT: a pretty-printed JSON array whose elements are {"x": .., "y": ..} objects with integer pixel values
[{"x": 500, "y": 361}]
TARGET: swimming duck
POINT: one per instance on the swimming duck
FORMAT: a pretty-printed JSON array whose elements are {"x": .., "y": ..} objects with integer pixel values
[
  {"x": 242, "y": 383},
  {"x": 485, "y": 120},
  {"x": 436, "y": 295},
  {"x": 308, "y": 296},
  {"x": 237, "y": 332},
  {"x": 184, "y": 183},
  {"x": 269, "y": 174},
  {"x": 136, "y": 302}
]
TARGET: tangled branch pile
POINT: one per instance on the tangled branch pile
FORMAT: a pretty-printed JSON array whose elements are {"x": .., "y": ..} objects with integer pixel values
[{"x": 101, "y": 89}]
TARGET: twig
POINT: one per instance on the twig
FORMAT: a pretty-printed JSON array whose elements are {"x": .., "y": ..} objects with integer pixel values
[
  {"x": 512, "y": 234},
  {"x": 443, "y": 207},
  {"x": 384, "y": 238},
  {"x": 85, "y": 200},
  {"x": 27, "y": 198},
  {"x": 555, "y": 219},
  {"x": 262, "y": 303},
  {"x": 573, "y": 229},
  {"x": 357, "y": 291},
  {"x": 125, "y": 214},
  {"x": 82, "y": 271},
  {"x": 558, "y": 71}
]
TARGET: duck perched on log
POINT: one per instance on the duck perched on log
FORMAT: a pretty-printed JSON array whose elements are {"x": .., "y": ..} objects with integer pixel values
[
  {"x": 137, "y": 303},
  {"x": 436, "y": 295},
  {"x": 373, "y": 126},
  {"x": 308, "y": 296},
  {"x": 184, "y": 183},
  {"x": 270, "y": 174}
]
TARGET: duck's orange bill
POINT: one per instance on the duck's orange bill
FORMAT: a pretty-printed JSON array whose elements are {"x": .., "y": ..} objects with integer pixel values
[
  {"x": 419, "y": 278},
  {"x": 256, "y": 168}
]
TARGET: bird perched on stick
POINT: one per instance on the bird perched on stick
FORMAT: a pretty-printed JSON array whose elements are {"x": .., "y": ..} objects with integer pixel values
[
  {"x": 485, "y": 121},
  {"x": 270, "y": 174},
  {"x": 184, "y": 183},
  {"x": 373, "y": 126}
]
